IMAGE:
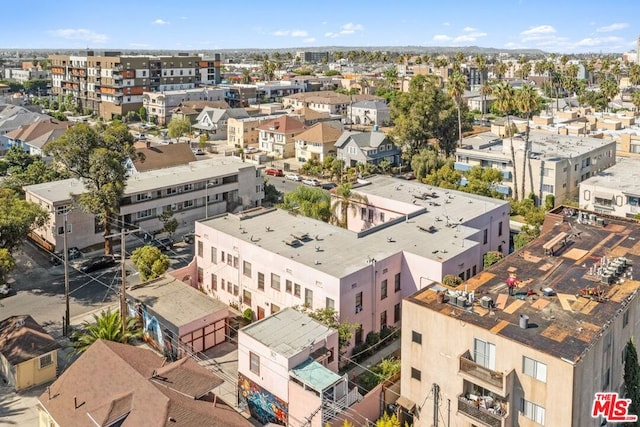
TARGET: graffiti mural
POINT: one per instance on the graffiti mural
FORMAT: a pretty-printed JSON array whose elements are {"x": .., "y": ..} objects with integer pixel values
[{"x": 263, "y": 406}]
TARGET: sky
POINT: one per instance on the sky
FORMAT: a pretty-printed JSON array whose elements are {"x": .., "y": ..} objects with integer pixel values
[{"x": 560, "y": 26}]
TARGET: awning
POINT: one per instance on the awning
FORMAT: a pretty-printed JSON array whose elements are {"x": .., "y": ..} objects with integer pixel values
[
  {"x": 406, "y": 403},
  {"x": 605, "y": 196}
]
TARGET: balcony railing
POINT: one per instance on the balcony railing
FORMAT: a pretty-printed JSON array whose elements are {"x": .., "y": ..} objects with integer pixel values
[
  {"x": 486, "y": 375},
  {"x": 487, "y": 417}
]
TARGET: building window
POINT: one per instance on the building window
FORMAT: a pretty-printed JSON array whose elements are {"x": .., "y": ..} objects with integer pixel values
[
  {"x": 214, "y": 255},
  {"x": 246, "y": 297},
  {"x": 288, "y": 286},
  {"x": 358, "y": 302},
  {"x": 533, "y": 411},
  {"x": 396, "y": 282},
  {"x": 214, "y": 282},
  {"x": 500, "y": 228},
  {"x": 416, "y": 374},
  {"x": 222, "y": 284},
  {"x": 200, "y": 275},
  {"x": 274, "y": 308},
  {"x": 358, "y": 335},
  {"x": 383, "y": 289},
  {"x": 261, "y": 281},
  {"x": 275, "y": 282},
  {"x": 254, "y": 363},
  {"x": 200, "y": 248},
  {"x": 61, "y": 210},
  {"x": 484, "y": 353},
  {"x": 45, "y": 360},
  {"x": 246, "y": 268},
  {"x": 396, "y": 313},
  {"x": 383, "y": 319},
  {"x": 485, "y": 236},
  {"x": 61, "y": 229},
  {"x": 381, "y": 216},
  {"x": 296, "y": 290},
  {"x": 308, "y": 298},
  {"x": 535, "y": 369},
  {"x": 330, "y": 304},
  {"x": 547, "y": 188},
  {"x": 229, "y": 259},
  {"x": 625, "y": 318},
  {"x": 416, "y": 337}
]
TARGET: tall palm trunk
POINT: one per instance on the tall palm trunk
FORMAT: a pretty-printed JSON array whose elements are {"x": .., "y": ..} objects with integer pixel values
[
  {"x": 459, "y": 124},
  {"x": 513, "y": 160},
  {"x": 525, "y": 160}
]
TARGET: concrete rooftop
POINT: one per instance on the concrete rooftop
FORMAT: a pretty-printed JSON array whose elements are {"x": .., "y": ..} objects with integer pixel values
[{"x": 624, "y": 176}]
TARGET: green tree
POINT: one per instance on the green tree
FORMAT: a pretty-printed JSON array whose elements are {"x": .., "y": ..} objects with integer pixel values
[
  {"x": 425, "y": 162},
  {"x": 178, "y": 127},
  {"x": 271, "y": 193},
  {"x": 455, "y": 88},
  {"x": 505, "y": 102},
  {"x": 528, "y": 103},
  {"x": 308, "y": 201},
  {"x": 96, "y": 155},
  {"x": 169, "y": 222},
  {"x": 444, "y": 177},
  {"x": 331, "y": 318},
  {"x": 18, "y": 159},
  {"x": 345, "y": 200},
  {"x": 142, "y": 113},
  {"x": 481, "y": 180},
  {"x": 36, "y": 86},
  {"x": 609, "y": 88},
  {"x": 150, "y": 261},
  {"x": 35, "y": 173},
  {"x": 107, "y": 327},
  {"x": 7, "y": 264},
  {"x": 634, "y": 74},
  {"x": 388, "y": 421},
  {"x": 631, "y": 378},
  {"x": 18, "y": 217},
  {"x": 491, "y": 258}
]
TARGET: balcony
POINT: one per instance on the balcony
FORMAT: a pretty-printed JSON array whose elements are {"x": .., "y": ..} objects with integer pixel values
[
  {"x": 492, "y": 417},
  {"x": 462, "y": 167},
  {"x": 485, "y": 377}
]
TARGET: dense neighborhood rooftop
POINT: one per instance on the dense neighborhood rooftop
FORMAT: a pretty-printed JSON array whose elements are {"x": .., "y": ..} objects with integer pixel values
[{"x": 623, "y": 176}]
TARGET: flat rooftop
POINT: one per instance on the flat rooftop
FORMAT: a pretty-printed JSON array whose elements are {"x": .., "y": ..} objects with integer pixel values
[
  {"x": 287, "y": 332},
  {"x": 566, "y": 323},
  {"x": 175, "y": 301},
  {"x": 623, "y": 176}
]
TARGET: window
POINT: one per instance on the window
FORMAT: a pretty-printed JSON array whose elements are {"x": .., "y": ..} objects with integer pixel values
[
  {"x": 287, "y": 286},
  {"x": 275, "y": 282},
  {"x": 416, "y": 374},
  {"x": 381, "y": 216},
  {"x": 535, "y": 369},
  {"x": 188, "y": 204},
  {"x": 214, "y": 255},
  {"x": 229, "y": 259},
  {"x": 625, "y": 318},
  {"x": 45, "y": 360},
  {"x": 396, "y": 313},
  {"x": 235, "y": 290},
  {"x": 61, "y": 210},
  {"x": 383, "y": 289},
  {"x": 358, "y": 334},
  {"x": 236, "y": 262},
  {"x": 485, "y": 236},
  {"x": 358, "y": 302},
  {"x": 500, "y": 228},
  {"x": 61, "y": 229},
  {"x": 308, "y": 298},
  {"x": 396, "y": 282},
  {"x": 484, "y": 353},
  {"x": 274, "y": 308},
  {"x": 296, "y": 290},
  {"x": 200, "y": 275},
  {"x": 383, "y": 319},
  {"x": 533, "y": 411},
  {"x": 246, "y": 268},
  {"x": 254, "y": 363},
  {"x": 222, "y": 257},
  {"x": 214, "y": 282},
  {"x": 222, "y": 284},
  {"x": 330, "y": 304},
  {"x": 261, "y": 281},
  {"x": 147, "y": 213},
  {"x": 363, "y": 213},
  {"x": 416, "y": 337},
  {"x": 144, "y": 196}
]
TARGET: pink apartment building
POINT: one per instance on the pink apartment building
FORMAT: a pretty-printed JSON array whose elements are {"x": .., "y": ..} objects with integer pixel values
[{"x": 406, "y": 237}]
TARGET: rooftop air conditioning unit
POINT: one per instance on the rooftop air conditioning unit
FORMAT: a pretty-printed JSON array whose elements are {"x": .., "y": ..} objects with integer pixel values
[
  {"x": 461, "y": 301},
  {"x": 486, "y": 302}
]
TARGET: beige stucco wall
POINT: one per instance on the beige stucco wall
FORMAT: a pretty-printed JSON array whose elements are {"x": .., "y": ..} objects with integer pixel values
[{"x": 29, "y": 374}]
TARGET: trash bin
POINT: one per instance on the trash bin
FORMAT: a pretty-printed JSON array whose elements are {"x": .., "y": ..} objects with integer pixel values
[{"x": 524, "y": 321}]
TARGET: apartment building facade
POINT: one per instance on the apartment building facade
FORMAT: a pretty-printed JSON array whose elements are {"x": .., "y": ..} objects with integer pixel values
[
  {"x": 277, "y": 137},
  {"x": 112, "y": 84},
  {"x": 160, "y": 104},
  {"x": 245, "y": 132},
  {"x": 479, "y": 355},
  {"x": 198, "y": 190}
]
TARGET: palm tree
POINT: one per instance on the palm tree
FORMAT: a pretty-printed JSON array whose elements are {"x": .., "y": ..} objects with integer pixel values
[
  {"x": 345, "y": 199},
  {"x": 107, "y": 326},
  {"x": 635, "y": 99},
  {"x": 455, "y": 88},
  {"x": 504, "y": 102},
  {"x": 609, "y": 88},
  {"x": 527, "y": 102},
  {"x": 634, "y": 74},
  {"x": 500, "y": 69},
  {"x": 481, "y": 63}
]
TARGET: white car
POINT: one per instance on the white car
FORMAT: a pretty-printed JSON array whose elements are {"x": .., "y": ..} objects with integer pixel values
[
  {"x": 293, "y": 177},
  {"x": 312, "y": 182}
]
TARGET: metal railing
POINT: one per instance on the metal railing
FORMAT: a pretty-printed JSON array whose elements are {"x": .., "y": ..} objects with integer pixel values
[
  {"x": 484, "y": 416},
  {"x": 486, "y": 375}
]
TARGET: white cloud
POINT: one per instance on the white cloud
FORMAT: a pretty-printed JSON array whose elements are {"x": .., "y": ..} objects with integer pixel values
[
  {"x": 281, "y": 33},
  {"x": 598, "y": 41},
  {"x": 160, "y": 21},
  {"x": 469, "y": 37},
  {"x": 80, "y": 34},
  {"x": 290, "y": 33},
  {"x": 468, "y": 29},
  {"x": 613, "y": 27},
  {"x": 299, "y": 33},
  {"x": 351, "y": 28},
  {"x": 541, "y": 29},
  {"x": 441, "y": 38},
  {"x": 309, "y": 40},
  {"x": 331, "y": 35}
]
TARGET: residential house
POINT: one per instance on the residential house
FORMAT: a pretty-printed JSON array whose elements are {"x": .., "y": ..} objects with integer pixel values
[
  {"x": 369, "y": 113},
  {"x": 159, "y": 157},
  {"x": 557, "y": 164},
  {"x": 355, "y": 147},
  {"x": 288, "y": 371},
  {"x": 28, "y": 354},
  {"x": 213, "y": 121},
  {"x": 240, "y": 95},
  {"x": 13, "y": 117},
  {"x": 535, "y": 355},
  {"x": 160, "y": 105},
  {"x": 500, "y": 126},
  {"x": 613, "y": 191},
  {"x": 401, "y": 238},
  {"x": 277, "y": 137},
  {"x": 197, "y": 190},
  {"x": 113, "y": 384},
  {"x": 318, "y": 141},
  {"x": 274, "y": 91},
  {"x": 34, "y": 137},
  {"x": 310, "y": 117},
  {"x": 243, "y": 133},
  {"x": 177, "y": 319},
  {"x": 325, "y": 101},
  {"x": 192, "y": 109}
]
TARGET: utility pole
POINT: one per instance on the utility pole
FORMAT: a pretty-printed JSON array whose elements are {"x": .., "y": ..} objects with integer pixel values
[{"x": 65, "y": 329}]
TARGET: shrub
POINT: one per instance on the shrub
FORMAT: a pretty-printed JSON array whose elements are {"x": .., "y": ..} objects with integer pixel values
[
  {"x": 451, "y": 280},
  {"x": 248, "y": 315}
]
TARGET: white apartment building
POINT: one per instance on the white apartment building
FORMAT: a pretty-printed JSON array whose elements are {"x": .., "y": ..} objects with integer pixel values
[
  {"x": 159, "y": 104},
  {"x": 614, "y": 191}
]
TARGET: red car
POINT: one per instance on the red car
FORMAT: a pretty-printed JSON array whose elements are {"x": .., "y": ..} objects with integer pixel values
[{"x": 274, "y": 172}]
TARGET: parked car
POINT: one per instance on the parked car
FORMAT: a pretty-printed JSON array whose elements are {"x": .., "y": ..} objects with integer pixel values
[
  {"x": 198, "y": 151},
  {"x": 97, "y": 263},
  {"x": 250, "y": 150},
  {"x": 328, "y": 185},
  {"x": 274, "y": 172},
  {"x": 6, "y": 291},
  {"x": 163, "y": 243},
  {"x": 311, "y": 181},
  {"x": 58, "y": 257},
  {"x": 293, "y": 177},
  {"x": 189, "y": 237}
]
